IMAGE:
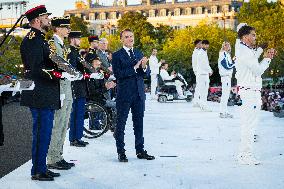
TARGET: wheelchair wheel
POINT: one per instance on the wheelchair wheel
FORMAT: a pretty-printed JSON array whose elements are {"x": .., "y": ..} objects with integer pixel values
[
  {"x": 162, "y": 99},
  {"x": 97, "y": 120}
]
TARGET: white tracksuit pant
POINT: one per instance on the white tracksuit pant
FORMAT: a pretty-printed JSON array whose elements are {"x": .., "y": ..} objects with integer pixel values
[
  {"x": 202, "y": 89},
  {"x": 154, "y": 83},
  {"x": 249, "y": 113},
  {"x": 226, "y": 89}
]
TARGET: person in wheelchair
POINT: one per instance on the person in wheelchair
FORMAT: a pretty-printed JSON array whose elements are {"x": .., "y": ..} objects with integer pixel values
[
  {"x": 98, "y": 89},
  {"x": 172, "y": 79}
]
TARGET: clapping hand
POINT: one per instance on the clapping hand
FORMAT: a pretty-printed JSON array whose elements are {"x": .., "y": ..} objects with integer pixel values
[
  {"x": 142, "y": 62},
  {"x": 270, "y": 53}
]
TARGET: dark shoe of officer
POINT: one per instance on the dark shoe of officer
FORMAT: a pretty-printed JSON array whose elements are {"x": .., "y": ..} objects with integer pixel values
[
  {"x": 53, "y": 174},
  {"x": 42, "y": 177},
  {"x": 59, "y": 165},
  {"x": 122, "y": 157},
  {"x": 84, "y": 142},
  {"x": 77, "y": 143},
  {"x": 144, "y": 155},
  {"x": 67, "y": 163}
]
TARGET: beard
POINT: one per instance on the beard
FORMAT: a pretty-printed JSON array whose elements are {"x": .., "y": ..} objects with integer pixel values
[{"x": 44, "y": 27}]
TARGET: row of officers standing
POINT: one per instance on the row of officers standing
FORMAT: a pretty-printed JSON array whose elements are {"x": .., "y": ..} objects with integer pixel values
[{"x": 58, "y": 99}]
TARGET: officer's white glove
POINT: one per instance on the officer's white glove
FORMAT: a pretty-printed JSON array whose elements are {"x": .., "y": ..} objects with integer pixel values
[
  {"x": 62, "y": 97},
  {"x": 68, "y": 76},
  {"x": 79, "y": 76},
  {"x": 97, "y": 76},
  {"x": 111, "y": 77}
]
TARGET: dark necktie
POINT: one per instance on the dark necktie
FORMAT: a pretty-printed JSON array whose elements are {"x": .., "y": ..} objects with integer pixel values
[{"x": 131, "y": 54}]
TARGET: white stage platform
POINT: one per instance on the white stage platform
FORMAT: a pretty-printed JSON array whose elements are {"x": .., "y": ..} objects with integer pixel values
[{"x": 205, "y": 147}]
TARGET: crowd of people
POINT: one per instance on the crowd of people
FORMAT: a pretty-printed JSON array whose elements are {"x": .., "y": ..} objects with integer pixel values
[
  {"x": 65, "y": 78},
  {"x": 272, "y": 99}
]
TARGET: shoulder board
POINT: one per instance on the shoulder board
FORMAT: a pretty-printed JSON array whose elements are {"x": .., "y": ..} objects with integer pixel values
[{"x": 31, "y": 35}]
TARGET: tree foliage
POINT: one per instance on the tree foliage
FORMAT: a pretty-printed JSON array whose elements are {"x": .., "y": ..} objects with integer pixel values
[
  {"x": 78, "y": 24},
  {"x": 268, "y": 19},
  {"x": 10, "y": 61},
  {"x": 139, "y": 25}
]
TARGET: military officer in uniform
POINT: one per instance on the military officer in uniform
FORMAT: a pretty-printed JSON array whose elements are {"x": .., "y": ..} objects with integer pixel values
[
  {"x": 44, "y": 99},
  {"x": 79, "y": 91},
  {"x": 94, "y": 44},
  {"x": 61, "y": 28}
]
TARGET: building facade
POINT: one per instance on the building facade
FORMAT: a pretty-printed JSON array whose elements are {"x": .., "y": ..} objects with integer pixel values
[{"x": 175, "y": 14}]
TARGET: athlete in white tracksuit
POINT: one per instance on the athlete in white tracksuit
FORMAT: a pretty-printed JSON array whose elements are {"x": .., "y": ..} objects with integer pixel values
[
  {"x": 154, "y": 67},
  {"x": 248, "y": 75},
  {"x": 195, "y": 54},
  {"x": 166, "y": 77},
  {"x": 203, "y": 71},
  {"x": 225, "y": 65}
]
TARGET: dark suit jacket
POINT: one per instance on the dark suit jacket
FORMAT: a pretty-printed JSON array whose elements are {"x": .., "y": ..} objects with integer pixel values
[{"x": 129, "y": 82}]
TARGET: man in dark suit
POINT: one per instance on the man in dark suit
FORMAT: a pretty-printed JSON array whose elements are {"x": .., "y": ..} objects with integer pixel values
[{"x": 129, "y": 68}]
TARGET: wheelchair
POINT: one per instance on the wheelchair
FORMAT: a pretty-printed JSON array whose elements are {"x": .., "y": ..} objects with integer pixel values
[
  {"x": 100, "y": 115},
  {"x": 166, "y": 90}
]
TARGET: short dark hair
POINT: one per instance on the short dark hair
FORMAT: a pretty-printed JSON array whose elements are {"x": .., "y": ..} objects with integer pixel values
[
  {"x": 125, "y": 30},
  {"x": 245, "y": 30},
  {"x": 205, "y": 42},
  {"x": 197, "y": 41},
  {"x": 163, "y": 64}
]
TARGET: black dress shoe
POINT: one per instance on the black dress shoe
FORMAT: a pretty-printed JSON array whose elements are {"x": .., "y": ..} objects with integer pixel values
[
  {"x": 67, "y": 163},
  {"x": 122, "y": 157},
  {"x": 42, "y": 177},
  {"x": 84, "y": 142},
  {"x": 144, "y": 155},
  {"x": 77, "y": 143},
  {"x": 53, "y": 174},
  {"x": 58, "y": 165}
]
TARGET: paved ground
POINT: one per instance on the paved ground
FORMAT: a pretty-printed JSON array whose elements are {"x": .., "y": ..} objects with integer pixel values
[
  {"x": 193, "y": 149},
  {"x": 17, "y": 146}
]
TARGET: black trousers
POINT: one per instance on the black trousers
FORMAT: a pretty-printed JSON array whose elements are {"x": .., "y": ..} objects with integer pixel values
[{"x": 1, "y": 124}]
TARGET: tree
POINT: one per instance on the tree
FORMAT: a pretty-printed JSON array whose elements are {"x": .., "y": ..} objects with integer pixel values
[
  {"x": 177, "y": 51},
  {"x": 268, "y": 19},
  {"x": 10, "y": 62},
  {"x": 139, "y": 25},
  {"x": 78, "y": 24}
]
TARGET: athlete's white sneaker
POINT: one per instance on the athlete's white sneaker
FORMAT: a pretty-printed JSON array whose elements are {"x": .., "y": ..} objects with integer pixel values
[{"x": 247, "y": 159}]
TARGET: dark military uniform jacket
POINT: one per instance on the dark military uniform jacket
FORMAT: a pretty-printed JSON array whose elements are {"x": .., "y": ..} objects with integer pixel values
[
  {"x": 92, "y": 51},
  {"x": 79, "y": 89},
  {"x": 35, "y": 56}
]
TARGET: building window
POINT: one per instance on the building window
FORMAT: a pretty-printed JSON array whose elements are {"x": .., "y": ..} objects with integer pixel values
[
  {"x": 188, "y": 11},
  {"x": 225, "y": 8},
  {"x": 177, "y": 12},
  {"x": 152, "y": 13},
  {"x": 113, "y": 15},
  {"x": 214, "y": 9},
  {"x": 102, "y": 16},
  {"x": 112, "y": 31},
  {"x": 163, "y": 12},
  {"x": 92, "y": 16},
  {"x": 78, "y": 15},
  {"x": 93, "y": 32},
  {"x": 199, "y": 10}
]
